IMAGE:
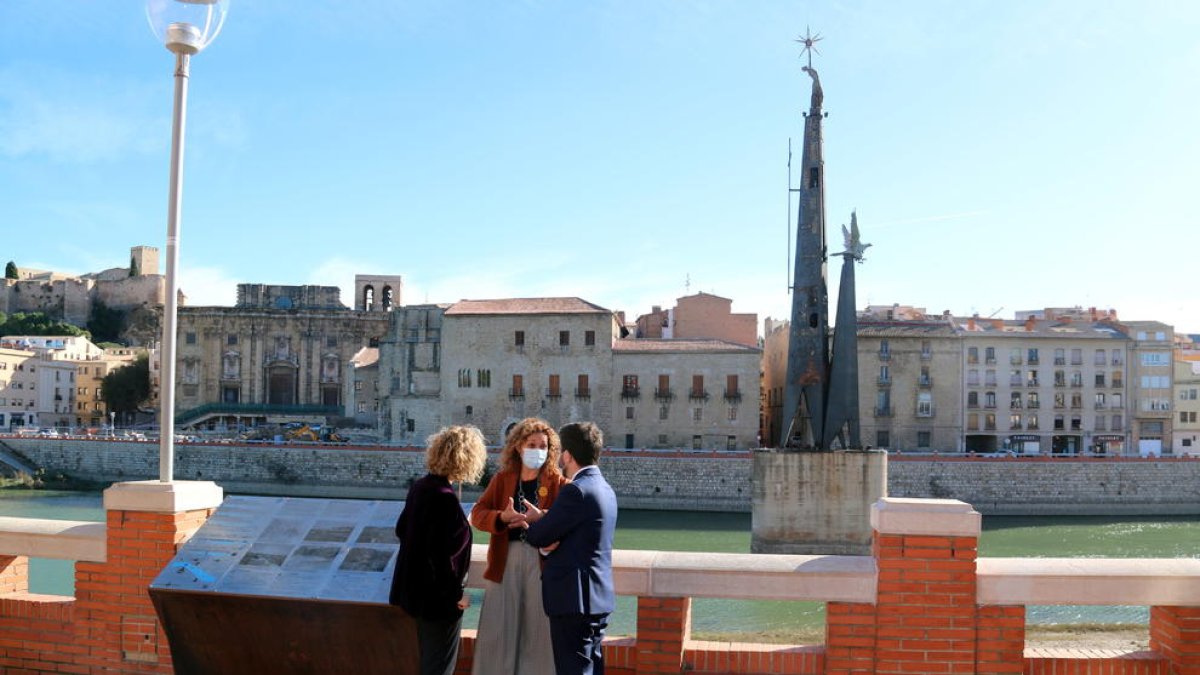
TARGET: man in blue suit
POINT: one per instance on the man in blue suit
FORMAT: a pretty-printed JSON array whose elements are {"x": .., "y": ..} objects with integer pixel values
[{"x": 577, "y": 585}]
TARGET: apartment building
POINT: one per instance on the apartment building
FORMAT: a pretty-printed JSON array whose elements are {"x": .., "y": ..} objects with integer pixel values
[
  {"x": 1044, "y": 386},
  {"x": 18, "y": 389},
  {"x": 909, "y": 372},
  {"x": 1151, "y": 370},
  {"x": 1059, "y": 381},
  {"x": 1186, "y": 432}
]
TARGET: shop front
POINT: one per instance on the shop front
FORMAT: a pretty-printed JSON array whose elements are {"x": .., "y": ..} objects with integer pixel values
[
  {"x": 1110, "y": 445},
  {"x": 1062, "y": 444},
  {"x": 1025, "y": 444}
]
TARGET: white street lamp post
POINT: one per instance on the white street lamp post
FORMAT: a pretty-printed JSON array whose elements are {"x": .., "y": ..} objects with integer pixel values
[{"x": 185, "y": 27}]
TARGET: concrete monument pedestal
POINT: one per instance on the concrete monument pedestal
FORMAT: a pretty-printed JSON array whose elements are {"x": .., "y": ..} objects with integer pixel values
[{"x": 816, "y": 503}]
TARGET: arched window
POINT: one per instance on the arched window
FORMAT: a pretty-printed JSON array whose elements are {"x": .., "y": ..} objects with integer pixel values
[
  {"x": 368, "y": 299},
  {"x": 387, "y": 298}
]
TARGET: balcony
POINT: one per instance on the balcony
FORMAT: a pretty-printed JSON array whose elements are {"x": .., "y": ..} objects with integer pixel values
[
  {"x": 734, "y": 396},
  {"x": 515, "y": 393},
  {"x": 554, "y": 393},
  {"x": 1033, "y": 383},
  {"x": 583, "y": 392},
  {"x": 885, "y": 356},
  {"x": 630, "y": 393},
  {"x": 885, "y": 411},
  {"x": 885, "y": 381},
  {"x": 1060, "y": 360},
  {"x": 697, "y": 394},
  {"x": 1101, "y": 406},
  {"x": 1034, "y": 404},
  {"x": 663, "y": 394},
  {"x": 925, "y": 381},
  {"x": 991, "y": 361},
  {"x": 1033, "y": 361}
]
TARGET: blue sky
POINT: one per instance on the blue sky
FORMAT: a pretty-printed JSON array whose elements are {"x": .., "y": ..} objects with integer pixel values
[{"x": 1001, "y": 155}]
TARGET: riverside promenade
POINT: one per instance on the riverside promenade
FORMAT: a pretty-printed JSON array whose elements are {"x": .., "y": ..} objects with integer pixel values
[{"x": 922, "y": 602}]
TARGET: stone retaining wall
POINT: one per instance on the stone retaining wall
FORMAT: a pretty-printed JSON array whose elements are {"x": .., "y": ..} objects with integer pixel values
[{"x": 653, "y": 480}]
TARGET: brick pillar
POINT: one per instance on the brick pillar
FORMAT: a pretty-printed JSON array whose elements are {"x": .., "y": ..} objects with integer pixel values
[
  {"x": 147, "y": 523},
  {"x": 1175, "y": 633},
  {"x": 1000, "y": 640},
  {"x": 925, "y": 550},
  {"x": 663, "y": 626},
  {"x": 849, "y": 638},
  {"x": 14, "y": 574}
]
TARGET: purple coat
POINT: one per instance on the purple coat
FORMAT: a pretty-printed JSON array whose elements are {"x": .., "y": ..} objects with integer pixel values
[{"x": 435, "y": 551}]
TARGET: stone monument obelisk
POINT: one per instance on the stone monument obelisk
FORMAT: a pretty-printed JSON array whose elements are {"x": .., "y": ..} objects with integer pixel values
[{"x": 813, "y": 494}]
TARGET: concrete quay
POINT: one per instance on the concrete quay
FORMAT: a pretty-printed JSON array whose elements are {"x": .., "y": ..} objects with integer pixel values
[{"x": 692, "y": 481}]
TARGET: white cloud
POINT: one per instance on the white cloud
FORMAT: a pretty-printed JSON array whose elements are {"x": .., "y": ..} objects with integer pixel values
[{"x": 208, "y": 286}]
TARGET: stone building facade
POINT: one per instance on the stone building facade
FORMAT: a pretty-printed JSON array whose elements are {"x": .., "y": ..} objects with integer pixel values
[
  {"x": 378, "y": 293},
  {"x": 410, "y": 374},
  {"x": 281, "y": 354},
  {"x": 694, "y": 394},
  {"x": 491, "y": 363},
  {"x": 504, "y": 360}
]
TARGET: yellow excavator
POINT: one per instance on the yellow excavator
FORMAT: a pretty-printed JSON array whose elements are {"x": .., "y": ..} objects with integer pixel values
[{"x": 313, "y": 434}]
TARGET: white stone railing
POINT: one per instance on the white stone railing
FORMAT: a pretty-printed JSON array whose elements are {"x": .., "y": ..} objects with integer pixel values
[
  {"x": 1088, "y": 581},
  {"x": 62, "y": 539},
  {"x": 747, "y": 576}
]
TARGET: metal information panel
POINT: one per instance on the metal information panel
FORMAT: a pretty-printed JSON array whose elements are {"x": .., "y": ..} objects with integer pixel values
[{"x": 282, "y": 547}]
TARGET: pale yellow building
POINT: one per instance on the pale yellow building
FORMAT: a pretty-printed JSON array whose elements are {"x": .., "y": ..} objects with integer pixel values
[{"x": 1186, "y": 433}]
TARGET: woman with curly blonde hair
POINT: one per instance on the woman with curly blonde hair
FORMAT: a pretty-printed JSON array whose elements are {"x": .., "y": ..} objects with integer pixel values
[
  {"x": 435, "y": 547},
  {"x": 514, "y": 633}
]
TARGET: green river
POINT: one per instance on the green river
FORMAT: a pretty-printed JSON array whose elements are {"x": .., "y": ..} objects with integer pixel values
[{"x": 1116, "y": 537}]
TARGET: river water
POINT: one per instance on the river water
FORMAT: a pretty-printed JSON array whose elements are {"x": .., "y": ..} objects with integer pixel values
[{"x": 1073, "y": 536}]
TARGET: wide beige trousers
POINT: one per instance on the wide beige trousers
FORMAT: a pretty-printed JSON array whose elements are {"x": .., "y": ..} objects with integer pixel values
[{"x": 514, "y": 633}]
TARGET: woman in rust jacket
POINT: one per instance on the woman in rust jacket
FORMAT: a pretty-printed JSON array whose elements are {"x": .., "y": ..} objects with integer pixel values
[{"x": 514, "y": 633}]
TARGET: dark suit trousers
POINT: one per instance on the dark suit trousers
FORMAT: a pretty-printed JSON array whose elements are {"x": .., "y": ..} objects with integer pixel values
[
  {"x": 438, "y": 642},
  {"x": 576, "y": 641}
]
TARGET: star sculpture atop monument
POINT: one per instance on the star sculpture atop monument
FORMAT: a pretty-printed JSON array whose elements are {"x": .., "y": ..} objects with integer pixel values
[{"x": 810, "y": 44}]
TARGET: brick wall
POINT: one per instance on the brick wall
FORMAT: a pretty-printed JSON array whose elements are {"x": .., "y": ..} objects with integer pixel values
[{"x": 924, "y": 618}]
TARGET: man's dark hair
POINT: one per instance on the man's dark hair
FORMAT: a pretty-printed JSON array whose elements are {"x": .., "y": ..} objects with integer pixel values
[{"x": 583, "y": 440}]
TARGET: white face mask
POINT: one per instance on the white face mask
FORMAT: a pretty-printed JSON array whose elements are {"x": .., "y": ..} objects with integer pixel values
[{"x": 534, "y": 458}]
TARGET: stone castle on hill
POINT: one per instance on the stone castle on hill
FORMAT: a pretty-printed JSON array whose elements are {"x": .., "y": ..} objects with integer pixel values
[{"x": 138, "y": 290}]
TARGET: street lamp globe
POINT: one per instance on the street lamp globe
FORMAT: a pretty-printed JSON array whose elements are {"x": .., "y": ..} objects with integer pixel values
[{"x": 186, "y": 26}]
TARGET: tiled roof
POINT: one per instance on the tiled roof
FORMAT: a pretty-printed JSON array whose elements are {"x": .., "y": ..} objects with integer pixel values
[
  {"x": 367, "y": 356},
  {"x": 1039, "y": 328},
  {"x": 878, "y": 328},
  {"x": 661, "y": 345},
  {"x": 525, "y": 306}
]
